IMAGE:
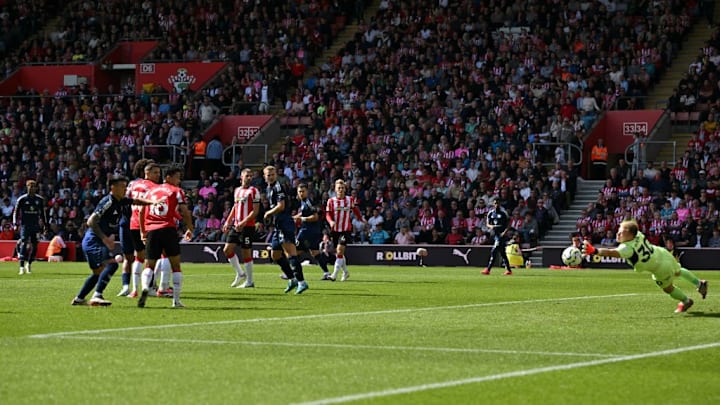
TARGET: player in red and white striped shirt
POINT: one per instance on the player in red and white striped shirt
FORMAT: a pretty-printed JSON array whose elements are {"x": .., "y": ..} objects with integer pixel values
[
  {"x": 338, "y": 212},
  {"x": 240, "y": 228}
]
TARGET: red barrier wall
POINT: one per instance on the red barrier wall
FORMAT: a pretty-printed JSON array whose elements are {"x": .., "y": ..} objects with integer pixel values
[
  {"x": 45, "y": 77},
  {"x": 240, "y": 127},
  {"x": 130, "y": 52},
  {"x": 9, "y": 85},
  {"x": 7, "y": 247},
  {"x": 617, "y": 128}
]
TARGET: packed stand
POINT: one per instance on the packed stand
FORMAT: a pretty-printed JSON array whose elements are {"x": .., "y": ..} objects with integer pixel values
[
  {"x": 697, "y": 90},
  {"x": 71, "y": 144},
  {"x": 270, "y": 45},
  {"x": 675, "y": 206},
  {"x": 88, "y": 32},
  {"x": 441, "y": 105},
  {"x": 20, "y": 20},
  {"x": 431, "y": 113},
  {"x": 73, "y": 138},
  {"x": 675, "y": 203}
]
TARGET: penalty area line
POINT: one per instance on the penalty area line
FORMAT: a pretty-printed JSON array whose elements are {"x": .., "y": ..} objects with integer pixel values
[
  {"x": 501, "y": 376},
  {"x": 321, "y": 316},
  {"x": 339, "y": 346}
]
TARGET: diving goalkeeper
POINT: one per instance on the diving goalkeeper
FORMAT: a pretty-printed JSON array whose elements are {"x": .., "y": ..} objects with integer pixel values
[{"x": 644, "y": 256}]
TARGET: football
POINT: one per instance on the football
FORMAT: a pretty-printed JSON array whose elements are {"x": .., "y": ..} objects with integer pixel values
[
  {"x": 119, "y": 258},
  {"x": 421, "y": 252},
  {"x": 571, "y": 256}
]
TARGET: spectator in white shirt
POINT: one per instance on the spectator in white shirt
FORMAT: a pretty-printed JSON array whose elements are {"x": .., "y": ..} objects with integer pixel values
[
  {"x": 404, "y": 237},
  {"x": 360, "y": 229},
  {"x": 207, "y": 112},
  {"x": 376, "y": 219}
]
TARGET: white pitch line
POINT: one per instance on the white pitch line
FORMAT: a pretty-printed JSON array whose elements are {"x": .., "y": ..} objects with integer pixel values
[
  {"x": 320, "y": 316},
  {"x": 512, "y": 374},
  {"x": 339, "y": 346}
]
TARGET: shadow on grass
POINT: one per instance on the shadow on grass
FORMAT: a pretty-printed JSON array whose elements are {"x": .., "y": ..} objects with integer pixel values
[
  {"x": 353, "y": 293},
  {"x": 197, "y": 308},
  {"x": 387, "y": 282},
  {"x": 704, "y": 314},
  {"x": 214, "y": 298},
  {"x": 269, "y": 293},
  {"x": 273, "y": 296}
]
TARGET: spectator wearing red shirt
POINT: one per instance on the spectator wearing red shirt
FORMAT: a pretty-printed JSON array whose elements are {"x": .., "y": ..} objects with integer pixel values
[
  {"x": 297, "y": 69},
  {"x": 7, "y": 232},
  {"x": 454, "y": 237},
  {"x": 568, "y": 109}
]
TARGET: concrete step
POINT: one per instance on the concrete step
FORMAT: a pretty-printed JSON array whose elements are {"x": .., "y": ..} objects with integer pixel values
[
  {"x": 562, "y": 228},
  {"x": 554, "y": 233},
  {"x": 695, "y": 39},
  {"x": 586, "y": 196},
  {"x": 666, "y": 153},
  {"x": 559, "y": 235},
  {"x": 581, "y": 199},
  {"x": 536, "y": 258},
  {"x": 563, "y": 240}
]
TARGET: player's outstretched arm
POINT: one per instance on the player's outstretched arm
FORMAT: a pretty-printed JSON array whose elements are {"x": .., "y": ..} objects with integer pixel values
[{"x": 589, "y": 249}]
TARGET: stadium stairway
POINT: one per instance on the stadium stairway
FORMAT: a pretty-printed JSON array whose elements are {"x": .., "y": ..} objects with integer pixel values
[
  {"x": 559, "y": 235},
  {"x": 658, "y": 97},
  {"x": 341, "y": 39},
  {"x": 696, "y": 39},
  {"x": 666, "y": 153}
]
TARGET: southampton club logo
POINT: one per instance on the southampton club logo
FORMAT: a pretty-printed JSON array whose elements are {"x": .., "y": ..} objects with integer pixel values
[
  {"x": 182, "y": 80},
  {"x": 464, "y": 256}
]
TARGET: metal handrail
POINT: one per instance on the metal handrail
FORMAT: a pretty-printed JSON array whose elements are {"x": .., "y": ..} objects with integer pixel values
[
  {"x": 72, "y": 96},
  {"x": 247, "y": 150},
  {"x": 567, "y": 151},
  {"x": 644, "y": 97},
  {"x": 176, "y": 152},
  {"x": 234, "y": 156},
  {"x": 639, "y": 160}
]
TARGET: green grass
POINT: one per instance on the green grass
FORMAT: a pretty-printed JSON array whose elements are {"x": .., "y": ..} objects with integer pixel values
[{"x": 388, "y": 335}]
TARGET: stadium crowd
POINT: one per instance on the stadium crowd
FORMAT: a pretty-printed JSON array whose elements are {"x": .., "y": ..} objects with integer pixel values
[
  {"x": 675, "y": 203},
  {"x": 430, "y": 113}
]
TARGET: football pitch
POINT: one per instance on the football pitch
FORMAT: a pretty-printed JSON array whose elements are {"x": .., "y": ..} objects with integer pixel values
[{"x": 388, "y": 335}]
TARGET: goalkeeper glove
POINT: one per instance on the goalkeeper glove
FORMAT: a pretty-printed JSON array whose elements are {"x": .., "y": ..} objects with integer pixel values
[{"x": 588, "y": 249}]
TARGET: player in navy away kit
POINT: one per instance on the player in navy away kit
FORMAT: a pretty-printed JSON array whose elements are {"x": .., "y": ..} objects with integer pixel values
[
  {"x": 29, "y": 210},
  {"x": 283, "y": 234},
  {"x": 99, "y": 240},
  {"x": 310, "y": 233},
  {"x": 497, "y": 220}
]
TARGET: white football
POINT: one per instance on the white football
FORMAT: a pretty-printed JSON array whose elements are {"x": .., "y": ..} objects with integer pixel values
[
  {"x": 421, "y": 252},
  {"x": 119, "y": 258},
  {"x": 571, "y": 256}
]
